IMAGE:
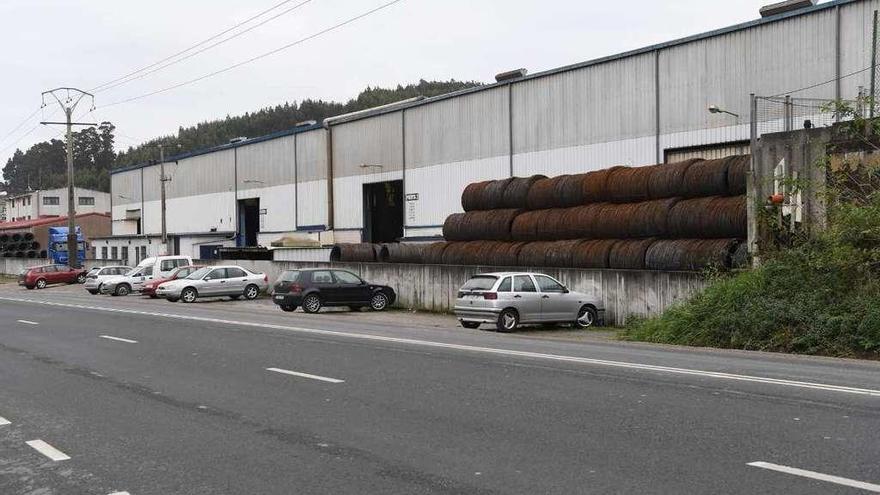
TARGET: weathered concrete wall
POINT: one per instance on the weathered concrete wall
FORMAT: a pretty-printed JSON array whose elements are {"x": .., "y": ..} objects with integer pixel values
[
  {"x": 625, "y": 293},
  {"x": 433, "y": 287}
]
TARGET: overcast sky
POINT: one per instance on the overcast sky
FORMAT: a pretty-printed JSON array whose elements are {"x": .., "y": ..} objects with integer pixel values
[{"x": 85, "y": 43}]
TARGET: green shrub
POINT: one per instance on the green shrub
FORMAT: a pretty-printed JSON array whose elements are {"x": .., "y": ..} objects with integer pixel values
[{"x": 821, "y": 297}]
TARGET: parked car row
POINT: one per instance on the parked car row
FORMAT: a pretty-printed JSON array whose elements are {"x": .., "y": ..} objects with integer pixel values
[{"x": 505, "y": 300}]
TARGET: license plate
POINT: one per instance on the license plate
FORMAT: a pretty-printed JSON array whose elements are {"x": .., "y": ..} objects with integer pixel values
[{"x": 279, "y": 297}]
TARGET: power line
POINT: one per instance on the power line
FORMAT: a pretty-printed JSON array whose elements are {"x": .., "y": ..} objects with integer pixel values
[
  {"x": 23, "y": 122},
  {"x": 236, "y": 35},
  {"x": 207, "y": 40},
  {"x": 258, "y": 57},
  {"x": 866, "y": 69}
]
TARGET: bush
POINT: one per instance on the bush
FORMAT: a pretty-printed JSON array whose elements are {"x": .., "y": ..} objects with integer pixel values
[{"x": 821, "y": 297}]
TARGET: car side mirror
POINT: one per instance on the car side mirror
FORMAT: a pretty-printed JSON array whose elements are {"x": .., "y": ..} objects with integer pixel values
[{"x": 208, "y": 279}]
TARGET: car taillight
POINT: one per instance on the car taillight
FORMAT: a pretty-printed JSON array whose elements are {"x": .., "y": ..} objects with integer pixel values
[{"x": 490, "y": 295}]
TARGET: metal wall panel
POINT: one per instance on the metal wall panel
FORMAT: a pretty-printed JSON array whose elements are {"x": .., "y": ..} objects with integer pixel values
[
  {"x": 606, "y": 102},
  {"x": 266, "y": 164},
  {"x": 470, "y": 127},
  {"x": 856, "y": 23},
  {"x": 723, "y": 70},
  {"x": 202, "y": 174},
  {"x": 125, "y": 187},
  {"x": 371, "y": 145},
  {"x": 152, "y": 185},
  {"x": 311, "y": 156}
]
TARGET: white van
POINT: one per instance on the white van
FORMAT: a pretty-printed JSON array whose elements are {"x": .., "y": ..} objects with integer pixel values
[{"x": 148, "y": 269}]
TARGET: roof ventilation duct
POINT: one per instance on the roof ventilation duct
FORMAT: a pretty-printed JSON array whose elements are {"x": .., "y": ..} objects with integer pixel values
[
  {"x": 237, "y": 140},
  {"x": 786, "y": 6},
  {"x": 510, "y": 75}
]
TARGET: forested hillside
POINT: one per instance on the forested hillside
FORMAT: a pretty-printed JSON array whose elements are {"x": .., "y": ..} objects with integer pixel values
[{"x": 43, "y": 164}]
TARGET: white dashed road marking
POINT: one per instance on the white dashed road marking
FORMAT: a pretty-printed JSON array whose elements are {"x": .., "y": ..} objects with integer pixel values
[
  {"x": 4, "y": 421},
  {"x": 28, "y": 322},
  {"x": 483, "y": 350},
  {"x": 120, "y": 493},
  {"x": 48, "y": 450},
  {"x": 305, "y": 375},
  {"x": 119, "y": 339},
  {"x": 817, "y": 476}
]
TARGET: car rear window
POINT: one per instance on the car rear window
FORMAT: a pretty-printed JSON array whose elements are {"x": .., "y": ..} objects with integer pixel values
[
  {"x": 290, "y": 276},
  {"x": 480, "y": 282}
]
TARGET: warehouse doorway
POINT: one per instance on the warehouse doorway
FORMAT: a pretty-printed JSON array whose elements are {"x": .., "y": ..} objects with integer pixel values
[
  {"x": 248, "y": 221},
  {"x": 383, "y": 211}
]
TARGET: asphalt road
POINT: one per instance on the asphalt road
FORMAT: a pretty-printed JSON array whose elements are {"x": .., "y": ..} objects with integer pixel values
[{"x": 149, "y": 397}]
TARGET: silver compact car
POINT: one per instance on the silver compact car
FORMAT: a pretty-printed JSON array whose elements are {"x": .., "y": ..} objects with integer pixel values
[
  {"x": 98, "y": 275},
  {"x": 512, "y": 298},
  {"x": 215, "y": 281}
]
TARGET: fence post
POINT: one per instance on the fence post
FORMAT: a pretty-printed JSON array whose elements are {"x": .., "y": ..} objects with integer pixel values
[{"x": 751, "y": 183}]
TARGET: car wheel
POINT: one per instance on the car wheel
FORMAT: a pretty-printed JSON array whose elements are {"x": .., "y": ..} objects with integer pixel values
[
  {"x": 172, "y": 299},
  {"x": 189, "y": 295},
  {"x": 288, "y": 308},
  {"x": 122, "y": 290},
  {"x": 470, "y": 324},
  {"x": 251, "y": 292},
  {"x": 508, "y": 320},
  {"x": 312, "y": 303},
  {"x": 586, "y": 317},
  {"x": 81, "y": 278},
  {"x": 41, "y": 284},
  {"x": 379, "y": 302}
]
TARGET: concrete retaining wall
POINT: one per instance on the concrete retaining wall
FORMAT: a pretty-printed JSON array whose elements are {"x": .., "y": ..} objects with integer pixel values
[{"x": 433, "y": 287}]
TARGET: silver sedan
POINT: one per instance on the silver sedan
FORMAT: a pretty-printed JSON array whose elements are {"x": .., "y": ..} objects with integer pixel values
[
  {"x": 215, "y": 281},
  {"x": 511, "y": 298}
]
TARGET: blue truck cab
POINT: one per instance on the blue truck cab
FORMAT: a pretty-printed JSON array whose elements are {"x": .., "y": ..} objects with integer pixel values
[{"x": 57, "y": 249}]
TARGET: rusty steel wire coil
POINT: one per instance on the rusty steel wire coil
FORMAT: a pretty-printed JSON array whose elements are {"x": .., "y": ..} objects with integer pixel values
[
  {"x": 667, "y": 180},
  {"x": 472, "y": 196},
  {"x": 525, "y": 226},
  {"x": 706, "y": 178},
  {"x": 737, "y": 171},
  {"x": 516, "y": 195},
  {"x": 401, "y": 253},
  {"x": 456, "y": 253},
  {"x": 594, "y": 185},
  {"x": 547, "y": 193},
  {"x": 432, "y": 254},
  {"x": 485, "y": 225},
  {"x": 712, "y": 217},
  {"x": 592, "y": 254},
  {"x": 629, "y": 184},
  {"x": 493, "y": 194},
  {"x": 690, "y": 254},
  {"x": 559, "y": 253},
  {"x": 534, "y": 254},
  {"x": 550, "y": 225},
  {"x": 362, "y": 252},
  {"x": 629, "y": 254},
  {"x": 571, "y": 190}
]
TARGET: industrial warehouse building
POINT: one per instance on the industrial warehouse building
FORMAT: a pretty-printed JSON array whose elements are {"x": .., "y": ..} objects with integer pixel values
[{"x": 398, "y": 171}]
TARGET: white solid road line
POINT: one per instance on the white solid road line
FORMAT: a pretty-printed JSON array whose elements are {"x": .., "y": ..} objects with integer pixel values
[
  {"x": 48, "y": 450},
  {"x": 28, "y": 322},
  {"x": 305, "y": 375},
  {"x": 119, "y": 339},
  {"x": 484, "y": 350},
  {"x": 817, "y": 476},
  {"x": 4, "y": 421},
  {"x": 120, "y": 493}
]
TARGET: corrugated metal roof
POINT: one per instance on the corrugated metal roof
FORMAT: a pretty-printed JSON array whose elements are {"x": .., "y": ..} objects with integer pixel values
[{"x": 401, "y": 106}]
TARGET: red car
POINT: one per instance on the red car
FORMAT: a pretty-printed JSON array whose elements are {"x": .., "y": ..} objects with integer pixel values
[
  {"x": 41, "y": 276},
  {"x": 149, "y": 288}
]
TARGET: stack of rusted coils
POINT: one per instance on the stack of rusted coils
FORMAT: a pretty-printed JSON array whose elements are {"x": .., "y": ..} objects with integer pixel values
[{"x": 679, "y": 216}]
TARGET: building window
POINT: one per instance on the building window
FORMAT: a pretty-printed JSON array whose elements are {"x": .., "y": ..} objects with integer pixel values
[
  {"x": 103, "y": 252},
  {"x": 125, "y": 255},
  {"x": 86, "y": 201},
  {"x": 114, "y": 253},
  {"x": 143, "y": 252},
  {"x": 51, "y": 201}
]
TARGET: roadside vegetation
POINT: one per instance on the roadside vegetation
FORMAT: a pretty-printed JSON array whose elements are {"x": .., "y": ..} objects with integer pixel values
[{"x": 819, "y": 294}]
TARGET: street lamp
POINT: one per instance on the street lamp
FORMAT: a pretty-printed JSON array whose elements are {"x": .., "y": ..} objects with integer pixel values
[{"x": 715, "y": 109}]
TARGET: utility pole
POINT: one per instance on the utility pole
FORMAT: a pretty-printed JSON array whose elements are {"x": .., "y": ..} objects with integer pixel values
[
  {"x": 69, "y": 100},
  {"x": 162, "y": 180}
]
